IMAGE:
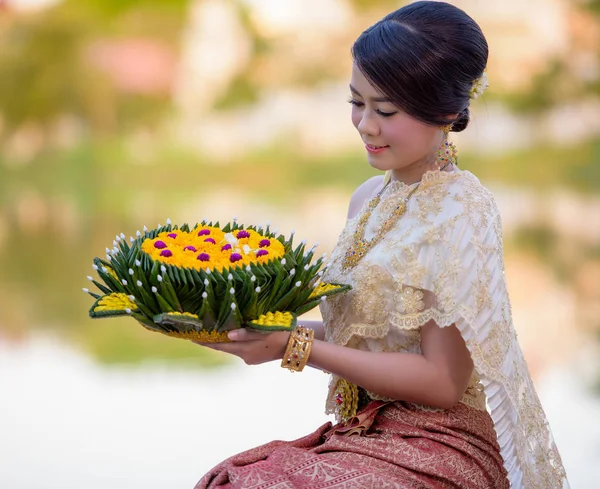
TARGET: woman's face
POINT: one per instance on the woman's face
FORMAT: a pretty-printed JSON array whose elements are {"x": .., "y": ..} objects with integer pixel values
[{"x": 393, "y": 139}]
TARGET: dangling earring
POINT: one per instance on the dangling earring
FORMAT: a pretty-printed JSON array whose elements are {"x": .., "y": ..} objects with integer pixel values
[
  {"x": 447, "y": 154},
  {"x": 446, "y": 129}
]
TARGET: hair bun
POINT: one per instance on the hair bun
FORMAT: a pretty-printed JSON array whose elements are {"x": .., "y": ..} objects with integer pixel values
[{"x": 462, "y": 121}]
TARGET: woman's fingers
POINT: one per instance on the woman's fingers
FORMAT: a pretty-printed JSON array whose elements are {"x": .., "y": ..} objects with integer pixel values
[{"x": 244, "y": 334}]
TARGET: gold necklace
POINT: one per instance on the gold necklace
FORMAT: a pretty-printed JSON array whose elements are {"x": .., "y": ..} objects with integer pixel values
[{"x": 360, "y": 246}]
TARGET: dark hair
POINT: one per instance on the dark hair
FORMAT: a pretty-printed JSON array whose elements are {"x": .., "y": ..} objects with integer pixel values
[{"x": 425, "y": 58}]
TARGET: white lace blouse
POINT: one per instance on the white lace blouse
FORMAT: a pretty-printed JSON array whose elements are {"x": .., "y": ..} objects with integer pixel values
[{"x": 443, "y": 260}]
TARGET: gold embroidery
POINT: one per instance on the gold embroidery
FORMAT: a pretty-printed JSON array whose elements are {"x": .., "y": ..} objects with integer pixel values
[
  {"x": 443, "y": 262},
  {"x": 410, "y": 301}
]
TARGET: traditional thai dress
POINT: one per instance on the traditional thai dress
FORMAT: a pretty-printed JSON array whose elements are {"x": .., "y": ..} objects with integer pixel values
[{"x": 441, "y": 261}]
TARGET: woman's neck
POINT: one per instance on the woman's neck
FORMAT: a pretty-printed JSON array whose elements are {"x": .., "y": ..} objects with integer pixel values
[{"x": 414, "y": 172}]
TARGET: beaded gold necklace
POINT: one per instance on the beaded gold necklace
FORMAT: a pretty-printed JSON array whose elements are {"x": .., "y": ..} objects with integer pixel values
[{"x": 360, "y": 246}]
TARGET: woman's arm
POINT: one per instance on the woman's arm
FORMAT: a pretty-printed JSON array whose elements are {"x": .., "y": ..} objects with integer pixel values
[{"x": 438, "y": 377}]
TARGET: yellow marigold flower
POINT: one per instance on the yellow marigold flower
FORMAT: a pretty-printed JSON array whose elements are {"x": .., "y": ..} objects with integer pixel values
[
  {"x": 210, "y": 247},
  {"x": 116, "y": 301},
  {"x": 323, "y": 288},
  {"x": 201, "y": 336},
  {"x": 275, "y": 319}
]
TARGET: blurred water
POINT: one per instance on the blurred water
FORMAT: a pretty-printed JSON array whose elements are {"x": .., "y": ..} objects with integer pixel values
[{"x": 67, "y": 422}]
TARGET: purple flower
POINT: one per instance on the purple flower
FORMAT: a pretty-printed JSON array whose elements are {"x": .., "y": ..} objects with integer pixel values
[
  {"x": 262, "y": 253},
  {"x": 210, "y": 240},
  {"x": 235, "y": 257},
  {"x": 166, "y": 253},
  {"x": 204, "y": 232},
  {"x": 191, "y": 248},
  {"x": 203, "y": 257},
  {"x": 172, "y": 235},
  {"x": 264, "y": 243},
  {"x": 226, "y": 247},
  {"x": 242, "y": 234},
  {"x": 160, "y": 245}
]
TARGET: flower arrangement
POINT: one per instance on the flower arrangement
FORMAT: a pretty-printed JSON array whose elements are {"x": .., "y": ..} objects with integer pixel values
[
  {"x": 200, "y": 282},
  {"x": 479, "y": 86}
]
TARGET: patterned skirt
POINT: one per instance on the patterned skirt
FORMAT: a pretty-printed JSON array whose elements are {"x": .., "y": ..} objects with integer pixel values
[{"x": 386, "y": 445}]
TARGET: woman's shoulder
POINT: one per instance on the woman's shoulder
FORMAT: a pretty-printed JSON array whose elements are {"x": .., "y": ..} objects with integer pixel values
[
  {"x": 364, "y": 192},
  {"x": 462, "y": 189}
]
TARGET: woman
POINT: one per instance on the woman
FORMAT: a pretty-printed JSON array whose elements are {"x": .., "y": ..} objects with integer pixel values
[{"x": 424, "y": 341}]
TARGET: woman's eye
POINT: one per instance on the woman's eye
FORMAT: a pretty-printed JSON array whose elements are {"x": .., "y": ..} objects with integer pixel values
[
  {"x": 356, "y": 103},
  {"x": 385, "y": 114}
]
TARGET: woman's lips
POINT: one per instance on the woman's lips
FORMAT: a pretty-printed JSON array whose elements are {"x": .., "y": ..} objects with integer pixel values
[{"x": 375, "y": 149}]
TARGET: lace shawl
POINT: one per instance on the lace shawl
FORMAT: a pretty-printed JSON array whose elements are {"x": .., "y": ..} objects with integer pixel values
[{"x": 443, "y": 260}]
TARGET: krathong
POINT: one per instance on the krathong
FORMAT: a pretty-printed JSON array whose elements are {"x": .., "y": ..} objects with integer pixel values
[{"x": 199, "y": 282}]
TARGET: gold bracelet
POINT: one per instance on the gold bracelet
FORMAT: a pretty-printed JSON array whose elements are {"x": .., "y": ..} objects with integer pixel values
[{"x": 298, "y": 349}]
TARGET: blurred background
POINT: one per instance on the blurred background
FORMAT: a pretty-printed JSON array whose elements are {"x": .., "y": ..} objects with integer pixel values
[{"x": 120, "y": 113}]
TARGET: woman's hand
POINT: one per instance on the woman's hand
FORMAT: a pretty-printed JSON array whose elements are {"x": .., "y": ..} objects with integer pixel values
[{"x": 254, "y": 347}]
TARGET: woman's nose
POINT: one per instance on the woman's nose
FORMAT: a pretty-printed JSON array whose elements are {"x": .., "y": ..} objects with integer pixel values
[{"x": 367, "y": 125}]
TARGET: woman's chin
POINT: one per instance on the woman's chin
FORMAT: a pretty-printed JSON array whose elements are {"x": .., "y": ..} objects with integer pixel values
[{"x": 377, "y": 164}]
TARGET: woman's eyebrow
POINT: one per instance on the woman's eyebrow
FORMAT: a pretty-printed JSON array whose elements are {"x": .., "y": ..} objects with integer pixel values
[{"x": 373, "y": 99}]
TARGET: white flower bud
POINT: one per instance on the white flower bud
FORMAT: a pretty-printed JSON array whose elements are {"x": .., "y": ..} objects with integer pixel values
[
  {"x": 117, "y": 238},
  {"x": 230, "y": 277},
  {"x": 128, "y": 311},
  {"x": 163, "y": 269},
  {"x": 231, "y": 239},
  {"x": 105, "y": 270},
  {"x": 323, "y": 298},
  {"x": 122, "y": 236},
  {"x": 131, "y": 271},
  {"x": 131, "y": 239},
  {"x": 306, "y": 267},
  {"x": 283, "y": 261},
  {"x": 137, "y": 233},
  {"x": 159, "y": 278},
  {"x": 154, "y": 290},
  {"x": 124, "y": 282},
  {"x": 115, "y": 250},
  {"x": 139, "y": 283},
  {"x": 168, "y": 222},
  {"x": 246, "y": 249},
  {"x": 232, "y": 291},
  {"x": 234, "y": 218},
  {"x": 206, "y": 282},
  {"x": 138, "y": 263},
  {"x": 258, "y": 289},
  {"x": 159, "y": 225},
  {"x": 108, "y": 258},
  {"x": 233, "y": 307},
  {"x": 275, "y": 231},
  {"x": 204, "y": 295},
  {"x": 208, "y": 271},
  {"x": 303, "y": 242},
  {"x": 298, "y": 284},
  {"x": 268, "y": 223},
  {"x": 253, "y": 279},
  {"x": 248, "y": 268},
  {"x": 95, "y": 267},
  {"x": 132, "y": 298},
  {"x": 90, "y": 278},
  {"x": 145, "y": 229},
  {"x": 292, "y": 232},
  {"x": 114, "y": 243},
  {"x": 107, "y": 250},
  {"x": 86, "y": 290},
  {"x": 293, "y": 272}
]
